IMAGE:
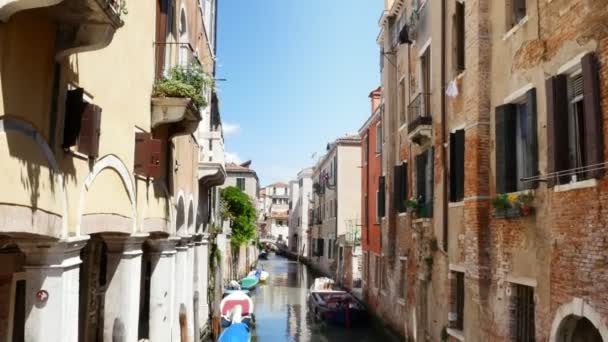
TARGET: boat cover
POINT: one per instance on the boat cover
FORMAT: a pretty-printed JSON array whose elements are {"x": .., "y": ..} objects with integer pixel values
[{"x": 237, "y": 332}]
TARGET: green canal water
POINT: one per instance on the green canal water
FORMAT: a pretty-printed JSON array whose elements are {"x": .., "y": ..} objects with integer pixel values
[{"x": 281, "y": 309}]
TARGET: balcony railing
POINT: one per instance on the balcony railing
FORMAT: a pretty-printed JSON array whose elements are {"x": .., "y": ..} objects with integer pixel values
[{"x": 418, "y": 112}]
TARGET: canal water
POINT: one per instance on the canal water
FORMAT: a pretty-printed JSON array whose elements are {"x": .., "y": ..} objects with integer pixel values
[{"x": 281, "y": 309}]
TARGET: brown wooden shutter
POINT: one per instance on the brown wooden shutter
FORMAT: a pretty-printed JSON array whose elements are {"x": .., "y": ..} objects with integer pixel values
[
  {"x": 429, "y": 180},
  {"x": 404, "y": 185},
  {"x": 141, "y": 153},
  {"x": 531, "y": 140},
  {"x": 88, "y": 138},
  {"x": 453, "y": 167},
  {"x": 594, "y": 147},
  {"x": 506, "y": 157},
  {"x": 557, "y": 127},
  {"x": 154, "y": 161}
]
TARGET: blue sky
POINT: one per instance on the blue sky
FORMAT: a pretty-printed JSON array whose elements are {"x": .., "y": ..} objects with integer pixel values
[{"x": 298, "y": 76}]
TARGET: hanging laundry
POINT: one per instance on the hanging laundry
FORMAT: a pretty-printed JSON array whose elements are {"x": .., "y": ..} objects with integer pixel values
[{"x": 452, "y": 89}]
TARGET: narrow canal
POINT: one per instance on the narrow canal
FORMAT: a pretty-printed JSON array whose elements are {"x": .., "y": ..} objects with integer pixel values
[{"x": 281, "y": 309}]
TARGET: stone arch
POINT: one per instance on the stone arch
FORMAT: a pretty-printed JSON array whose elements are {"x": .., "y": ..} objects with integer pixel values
[
  {"x": 108, "y": 162},
  {"x": 180, "y": 216},
  {"x": 568, "y": 316},
  {"x": 26, "y": 130}
]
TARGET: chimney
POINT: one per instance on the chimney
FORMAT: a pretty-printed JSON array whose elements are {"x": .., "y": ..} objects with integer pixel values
[{"x": 375, "y": 97}]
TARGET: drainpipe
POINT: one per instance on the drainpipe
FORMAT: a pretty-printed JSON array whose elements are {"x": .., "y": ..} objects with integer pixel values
[{"x": 444, "y": 198}]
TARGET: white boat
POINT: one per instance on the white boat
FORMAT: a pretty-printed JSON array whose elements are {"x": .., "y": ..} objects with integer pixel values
[
  {"x": 260, "y": 274},
  {"x": 230, "y": 302}
]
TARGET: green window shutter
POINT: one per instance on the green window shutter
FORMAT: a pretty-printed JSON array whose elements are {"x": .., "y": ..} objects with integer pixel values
[
  {"x": 506, "y": 157},
  {"x": 459, "y": 150},
  {"x": 531, "y": 140},
  {"x": 429, "y": 176},
  {"x": 420, "y": 178},
  {"x": 453, "y": 162},
  {"x": 594, "y": 142},
  {"x": 557, "y": 127},
  {"x": 404, "y": 185}
]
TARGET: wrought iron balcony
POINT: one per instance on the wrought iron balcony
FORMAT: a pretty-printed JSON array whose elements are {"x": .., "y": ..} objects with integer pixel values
[
  {"x": 83, "y": 25},
  {"x": 419, "y": 119}
]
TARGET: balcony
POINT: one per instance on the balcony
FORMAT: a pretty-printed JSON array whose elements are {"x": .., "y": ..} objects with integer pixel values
[
  {"x": 212, "y": 164},
  {"x": 83, "y": 25},
  {"x": 178, "y": 94},
  {"x": 419, "y": 119}
]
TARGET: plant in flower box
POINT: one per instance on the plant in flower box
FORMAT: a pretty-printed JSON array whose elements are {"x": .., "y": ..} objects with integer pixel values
[
  {"x": 412, "y": 205},
  {"x": 525, "y": 203}
]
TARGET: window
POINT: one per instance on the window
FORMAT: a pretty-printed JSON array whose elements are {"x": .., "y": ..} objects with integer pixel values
[
  {"x": 380, "y": 199},
  {"x": 400, "y": 184},
  {"x": 522, "y": 313},
  {"x": 366, "y": 267},
  {"x": 457, "y": 166},
  {"x": 459, "y": 45},
  {"x": 425, "y": 67},
  {"x": 329, "y": 249},
  {"x": 456, "y": 317},
  {"x": 240, "y": 183},
  {"x": 516, "y": 144},
  {"x": 517, "y": 11},
  {"x": 19, "y": 314},
  {"x": 403, "y": 282},
  {"x": 424, "y": 182},
  {"x": 321, "y": 247},
  {"x": 379, "y": 137},
  {"x": 402, "y": 104}
]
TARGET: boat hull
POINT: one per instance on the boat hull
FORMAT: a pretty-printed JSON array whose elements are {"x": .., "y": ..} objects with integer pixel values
[{"x": 236, "y": 332}]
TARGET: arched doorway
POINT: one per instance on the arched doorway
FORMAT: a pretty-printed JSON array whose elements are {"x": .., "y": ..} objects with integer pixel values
[
  {"x": 578, "y": 329},
  {"x": 180, "y": 219}
]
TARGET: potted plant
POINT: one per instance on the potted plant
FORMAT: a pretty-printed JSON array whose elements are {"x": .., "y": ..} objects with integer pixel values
[
  {"x": 525, "y": 203},
  {"x": 513, "y": 205},
  {"x": 411, "y": 205}
]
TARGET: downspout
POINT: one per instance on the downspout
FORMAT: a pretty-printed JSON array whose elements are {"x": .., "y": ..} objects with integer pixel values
[{"x": 444, "y": 197}]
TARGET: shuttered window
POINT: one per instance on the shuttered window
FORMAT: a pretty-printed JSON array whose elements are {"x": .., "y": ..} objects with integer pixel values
[
  {"x": 459, "y": 29},
  {"x": 400, "y": 187},
  {"x": 516, "y": 145},
  {"x": 424, "y": 182},
  {"x": 457, "y": 166},
  {"x": 240, "y": 183},
  {"x": 574, "y": 124},
  {"x": 381, "y": 205}
]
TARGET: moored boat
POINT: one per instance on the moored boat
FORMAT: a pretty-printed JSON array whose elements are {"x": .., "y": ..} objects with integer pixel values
[
  {"x": 334, "y": 306},
  {"x": 263, "y": 255},
  {"x": 237, "y": 331},
  {"x": 230, "y": 302},
  {"x": 249, "y": 282},
  {"x": 260, "y": 274}
]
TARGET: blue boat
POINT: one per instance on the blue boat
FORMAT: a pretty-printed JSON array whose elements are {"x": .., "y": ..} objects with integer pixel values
[
  {"x": 236, "y": 332},
  {"x": 233, "y": 308}
]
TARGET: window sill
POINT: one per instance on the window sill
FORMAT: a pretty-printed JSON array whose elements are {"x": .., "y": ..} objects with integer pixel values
[
  {"x": 404, "y": 214},
  {"x": 589, "y": 183},
  {"x": 401, "y": 301},
  {"x": 515, "y": 28},
  {"x": 457, "y": 334},
  {"x": 456, "y": 204}
]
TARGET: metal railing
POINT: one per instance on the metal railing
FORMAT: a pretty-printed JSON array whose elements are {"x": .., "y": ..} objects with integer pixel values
[{"x": 419, "y": 111}]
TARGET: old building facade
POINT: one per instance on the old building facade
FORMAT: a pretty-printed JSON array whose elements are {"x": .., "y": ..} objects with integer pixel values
[
  {"x": 299, "y": 224},
  {"x": 495, "y": 124},
  {"x": 100, "y": 236},
  {"x": 336, "y": 197}
]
